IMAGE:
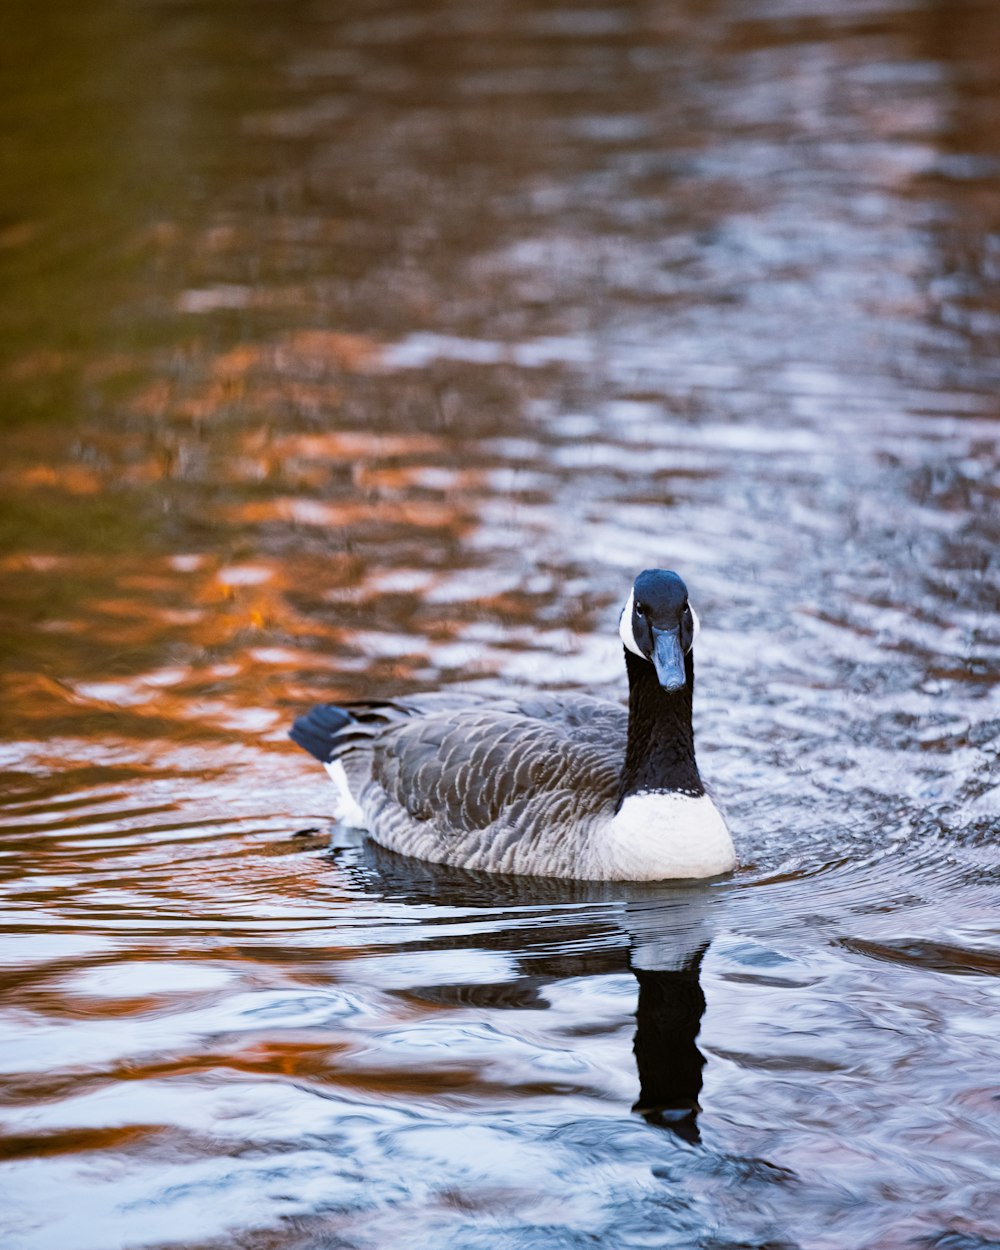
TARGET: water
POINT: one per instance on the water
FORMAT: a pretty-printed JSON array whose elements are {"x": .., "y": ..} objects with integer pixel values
[{"x": 352, "y": 349}]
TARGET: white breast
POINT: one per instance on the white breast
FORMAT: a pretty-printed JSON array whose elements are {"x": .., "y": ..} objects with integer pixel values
[{"x": 658, "y": 836}]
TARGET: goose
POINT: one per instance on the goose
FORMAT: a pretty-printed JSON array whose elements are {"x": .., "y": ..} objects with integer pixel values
[{"x": 540, "y": 784}]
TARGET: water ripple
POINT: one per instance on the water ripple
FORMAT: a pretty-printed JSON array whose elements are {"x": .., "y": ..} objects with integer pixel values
[{"x": 352, "y": 352}]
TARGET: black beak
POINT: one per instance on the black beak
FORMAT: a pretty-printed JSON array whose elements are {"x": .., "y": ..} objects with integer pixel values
[{"x": 668, "y": 659}]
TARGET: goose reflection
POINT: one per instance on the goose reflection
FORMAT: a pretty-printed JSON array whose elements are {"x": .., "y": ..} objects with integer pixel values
[
  {"x": 557, "y": 930},
  {"x": 668, "y": 1020},
  {"x": 668, "y": 939}
]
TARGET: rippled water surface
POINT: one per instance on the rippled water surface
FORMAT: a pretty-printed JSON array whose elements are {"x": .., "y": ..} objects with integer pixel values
[{"x": 353, "y": 348}]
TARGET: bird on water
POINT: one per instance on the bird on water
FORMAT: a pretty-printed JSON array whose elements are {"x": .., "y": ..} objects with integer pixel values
[{"x": 540, "y": 784}]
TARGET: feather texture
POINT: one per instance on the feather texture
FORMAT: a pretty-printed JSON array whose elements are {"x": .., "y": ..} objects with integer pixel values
[
  {"x": 540, "y": 784},
  {"x": 517, "y": 785}
]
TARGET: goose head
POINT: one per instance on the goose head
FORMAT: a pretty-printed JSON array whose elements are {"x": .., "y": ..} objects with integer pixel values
[{"x": 659, "y": 625}]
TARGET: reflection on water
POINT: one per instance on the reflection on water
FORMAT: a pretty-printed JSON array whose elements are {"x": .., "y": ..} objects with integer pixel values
[{"x": 352, "y": 350}]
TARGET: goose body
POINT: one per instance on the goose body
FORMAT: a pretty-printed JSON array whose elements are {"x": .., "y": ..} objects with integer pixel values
[{"x": 553, "y": 785}]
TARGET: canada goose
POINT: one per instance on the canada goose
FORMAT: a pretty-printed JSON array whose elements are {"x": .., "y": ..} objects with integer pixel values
[{"x": 549, "y": 785}]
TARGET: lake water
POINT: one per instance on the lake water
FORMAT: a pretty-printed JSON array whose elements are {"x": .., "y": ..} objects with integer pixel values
[{"x": 352, "y": 348}]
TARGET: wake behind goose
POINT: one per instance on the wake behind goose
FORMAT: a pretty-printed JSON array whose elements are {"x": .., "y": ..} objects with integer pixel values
[{"x": 541, "y": 784}]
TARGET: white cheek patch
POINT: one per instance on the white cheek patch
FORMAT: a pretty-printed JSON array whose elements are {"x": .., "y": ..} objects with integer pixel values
[
  {"x": 697, "y": 626},
  {"x": 625, "y": 627}
]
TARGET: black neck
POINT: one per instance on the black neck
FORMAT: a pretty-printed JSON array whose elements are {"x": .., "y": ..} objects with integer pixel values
[{"x": 659, "y": 754}]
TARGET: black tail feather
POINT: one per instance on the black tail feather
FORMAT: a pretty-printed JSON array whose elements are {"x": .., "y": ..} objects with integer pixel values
[{"x": 316, "y": 730}]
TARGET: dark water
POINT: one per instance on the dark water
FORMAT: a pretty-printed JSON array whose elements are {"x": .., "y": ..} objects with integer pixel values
[{"x": 351, "y": 348}]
